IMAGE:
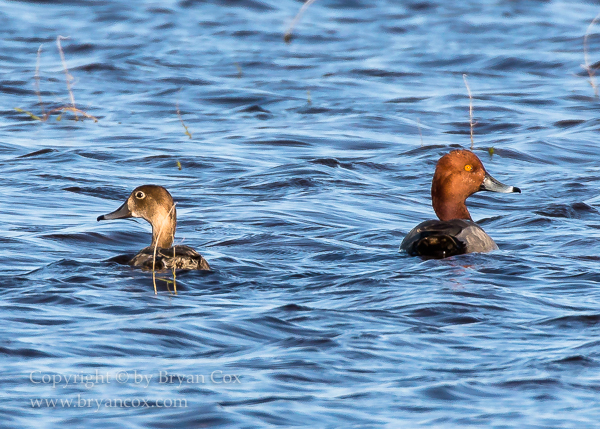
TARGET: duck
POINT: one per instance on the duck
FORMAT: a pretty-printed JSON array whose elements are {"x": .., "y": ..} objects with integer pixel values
[
  {"x": 155, "y": 205},
  {"x": 458, "y": 175}
]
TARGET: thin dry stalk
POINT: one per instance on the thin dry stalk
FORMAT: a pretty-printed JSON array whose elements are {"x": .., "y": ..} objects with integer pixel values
[
  {"x": 156, "y": 246},
  {"x": 470, "y": 108},
  {"x": 37, "y": 79},
  {"x": 72, "y": 108},
  {"x": 58, "y": 109},
  {"x": 174, "y": 275},
  {"x": 174, "y": 270},
  {"x": 31, "y": 115},
  {"x": 167, "y": 282},
  {"x": 68, "y": 109},
  {"x": 587, "y": 67},
  {"x": 287, "y": 37},
  {"x": 187, "y": 132},
  {"x": 67, "y": 75}
]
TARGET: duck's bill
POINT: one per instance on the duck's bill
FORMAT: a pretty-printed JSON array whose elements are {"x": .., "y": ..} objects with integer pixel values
[
  {"x": 492, "y": 185},
  {"x": 122, "y": 212}
]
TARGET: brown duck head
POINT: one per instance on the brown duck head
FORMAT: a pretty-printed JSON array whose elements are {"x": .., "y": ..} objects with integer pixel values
[
  {"x": 154, "y": 204},
  {"x": 458, "y": 175}
]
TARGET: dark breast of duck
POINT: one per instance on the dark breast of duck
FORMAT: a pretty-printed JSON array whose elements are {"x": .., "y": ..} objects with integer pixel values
[
  {"x": 437, "y": 239},
  {"x": 176, "y": 257}
]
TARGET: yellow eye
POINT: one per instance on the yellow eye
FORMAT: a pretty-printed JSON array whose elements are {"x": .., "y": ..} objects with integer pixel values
[{"x": 468, "y": 167}]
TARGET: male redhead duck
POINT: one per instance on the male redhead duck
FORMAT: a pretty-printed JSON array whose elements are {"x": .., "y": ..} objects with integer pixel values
[
  {"x": 458, "y": 175},
  {"x": 155, "y": 204}
]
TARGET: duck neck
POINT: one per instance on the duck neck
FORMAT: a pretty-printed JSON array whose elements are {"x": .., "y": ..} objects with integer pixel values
[
  {"x": 446, "y": 211},
  {"x": 163, "y": 228},
  {"x": 448, "y": 205}
]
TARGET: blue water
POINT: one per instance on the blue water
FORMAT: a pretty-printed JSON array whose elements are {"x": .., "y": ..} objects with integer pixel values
[{"x": 308, "y": 164}]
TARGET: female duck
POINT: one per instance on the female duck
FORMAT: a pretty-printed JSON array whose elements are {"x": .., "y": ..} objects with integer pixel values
[
  {"x": 155, "y": 204},
  {"x": 458, "y": 175}
]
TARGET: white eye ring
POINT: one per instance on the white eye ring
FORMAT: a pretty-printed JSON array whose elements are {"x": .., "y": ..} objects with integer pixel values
[{"x": 140, "y": 195}]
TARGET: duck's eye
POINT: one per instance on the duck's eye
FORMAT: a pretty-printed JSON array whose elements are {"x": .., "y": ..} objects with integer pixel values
[
  {"x": 140, "y": 195},
  {"x": 468, "y": 167}
]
